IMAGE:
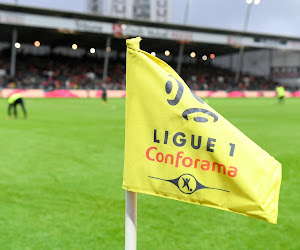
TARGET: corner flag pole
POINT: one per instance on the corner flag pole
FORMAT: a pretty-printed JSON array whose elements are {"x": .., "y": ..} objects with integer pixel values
[{"x": 130, "y": 221}]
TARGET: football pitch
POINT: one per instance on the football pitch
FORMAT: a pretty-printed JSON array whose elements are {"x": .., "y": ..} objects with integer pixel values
[{"x": 61, "y": 181}]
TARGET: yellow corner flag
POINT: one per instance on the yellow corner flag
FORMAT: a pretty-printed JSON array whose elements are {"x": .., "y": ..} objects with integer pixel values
[{"x": 178, "y": 147}]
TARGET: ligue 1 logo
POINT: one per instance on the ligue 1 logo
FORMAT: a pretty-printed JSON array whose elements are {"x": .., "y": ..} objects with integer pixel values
[
  {"x": 187, "y": 184},
  {"x": 175, "y": 101}
]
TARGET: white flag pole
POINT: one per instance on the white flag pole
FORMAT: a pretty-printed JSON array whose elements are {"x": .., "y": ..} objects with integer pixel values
[{"x": 130, "y": 221}]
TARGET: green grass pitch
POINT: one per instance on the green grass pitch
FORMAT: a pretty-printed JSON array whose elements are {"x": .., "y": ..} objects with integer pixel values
[{"x": 61, "y": 177}]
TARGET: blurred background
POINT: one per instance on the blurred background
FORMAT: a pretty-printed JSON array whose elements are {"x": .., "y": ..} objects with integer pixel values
[{"x": 213, "y": 45}]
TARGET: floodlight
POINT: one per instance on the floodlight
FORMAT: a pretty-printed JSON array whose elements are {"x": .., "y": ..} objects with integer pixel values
[
  {"x": 193, "y": 54},
  {"x": 17, "y": 45},
  {"x": 37, "y": 44}
]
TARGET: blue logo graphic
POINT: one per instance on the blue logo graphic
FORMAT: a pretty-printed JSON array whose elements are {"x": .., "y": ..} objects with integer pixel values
[{"x": 187, "y": 184}]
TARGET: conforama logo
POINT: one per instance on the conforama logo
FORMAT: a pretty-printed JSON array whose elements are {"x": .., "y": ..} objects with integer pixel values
[{"x": 187, "y": 184}]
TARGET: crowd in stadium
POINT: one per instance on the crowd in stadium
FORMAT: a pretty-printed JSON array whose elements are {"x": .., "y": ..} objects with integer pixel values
[
  {"x": 208, "y": 77},
  {"x": 62, "y": 72}
]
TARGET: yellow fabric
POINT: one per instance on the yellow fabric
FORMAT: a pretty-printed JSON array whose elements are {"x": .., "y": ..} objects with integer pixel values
[
  {"x": 228, "y": 171},
  {"x": 13, "y": 98},
  {"x": 280, "y": 91}
]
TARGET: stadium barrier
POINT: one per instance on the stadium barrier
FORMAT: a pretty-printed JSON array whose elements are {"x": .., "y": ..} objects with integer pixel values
[{"x": 80, "y": 93}]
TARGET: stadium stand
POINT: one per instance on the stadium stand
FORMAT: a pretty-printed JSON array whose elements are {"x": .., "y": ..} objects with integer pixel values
[
  {"x": 60, "y": 67},
  {"x": 62, "y": 72}
]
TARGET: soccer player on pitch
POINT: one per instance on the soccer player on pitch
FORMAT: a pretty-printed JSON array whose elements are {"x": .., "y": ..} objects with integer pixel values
[
  {"x": 280, "y": 93},
  {"x": 104, "y": 93},
  {"x": 13, "y": 101}
]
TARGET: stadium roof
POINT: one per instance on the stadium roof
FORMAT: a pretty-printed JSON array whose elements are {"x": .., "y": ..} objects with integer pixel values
[{"x": 201, "y": 39}]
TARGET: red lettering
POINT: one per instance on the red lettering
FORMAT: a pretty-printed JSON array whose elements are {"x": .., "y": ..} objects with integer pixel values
[
  {"x": 188, "y": 162},
  {"x": 196, "y": 161},
  {"x": 184, "y": 162},
  {"x": 178, "y": 157},
  {"x": 171, "y": 157},
  {"x": 219, "y": 167},
  {"x": 205, "y": 166},
  {"x": 161, "y": 158},
  {"x": 148, "y": 151},
  {"x": 232, "y": 173}
]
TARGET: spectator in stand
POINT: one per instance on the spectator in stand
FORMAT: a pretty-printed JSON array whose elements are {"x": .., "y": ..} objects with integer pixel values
[{"x": 56, "y": 71}]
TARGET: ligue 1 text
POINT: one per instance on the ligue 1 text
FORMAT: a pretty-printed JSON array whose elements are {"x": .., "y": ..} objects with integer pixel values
[{"x": 179, "y": 139}]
